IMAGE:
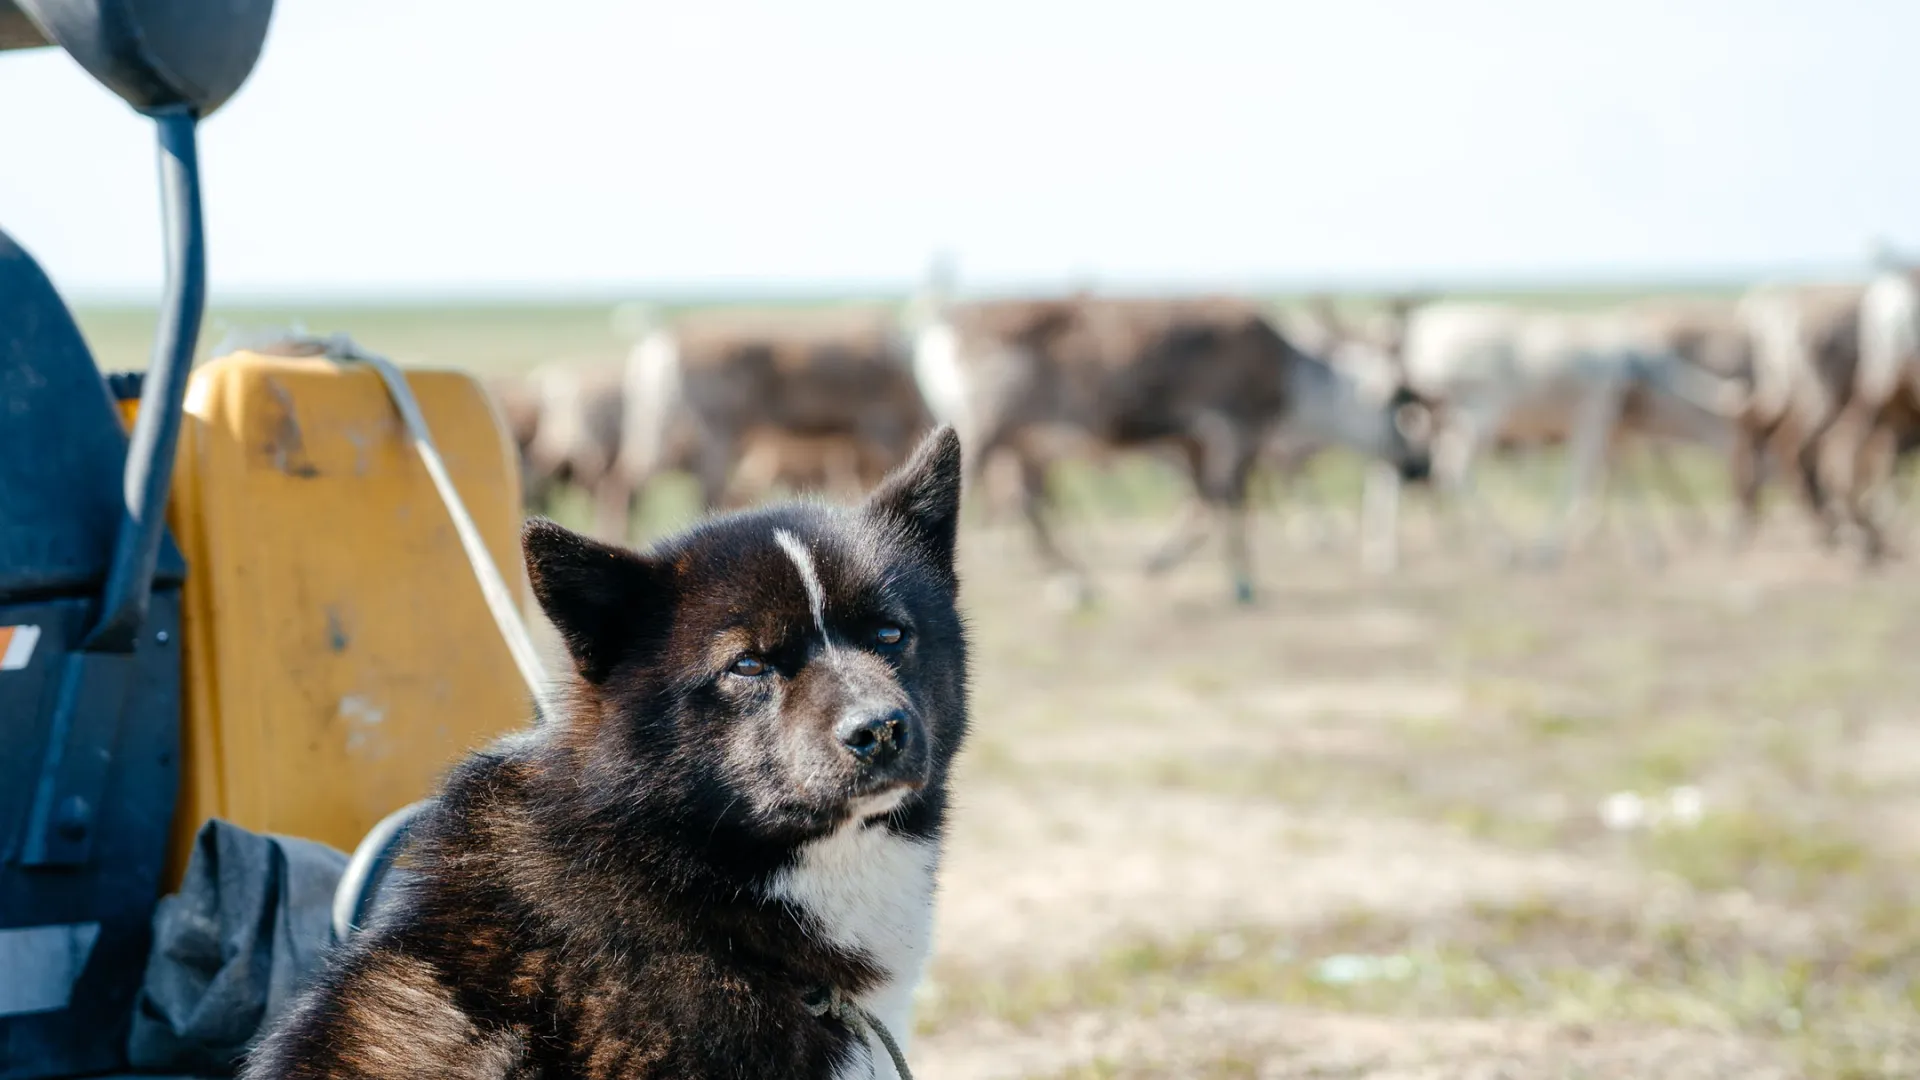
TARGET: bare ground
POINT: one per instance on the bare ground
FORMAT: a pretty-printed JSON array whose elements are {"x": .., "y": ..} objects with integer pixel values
[
  {"x": 1362, "y": 829},
  {"x": 1459, "y": 822}
]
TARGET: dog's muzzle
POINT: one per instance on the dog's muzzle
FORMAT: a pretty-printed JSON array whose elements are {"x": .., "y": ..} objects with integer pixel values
[{"x": 875, "y": 740}]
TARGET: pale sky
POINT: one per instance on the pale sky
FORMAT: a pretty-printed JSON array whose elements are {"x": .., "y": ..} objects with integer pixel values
[{"x": 465, "y": 147}]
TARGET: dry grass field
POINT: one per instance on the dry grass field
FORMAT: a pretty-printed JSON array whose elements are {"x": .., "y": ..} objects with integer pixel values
[
  {"x": 1461, "y": 823},
  {"x": 1458, "y": 822}
]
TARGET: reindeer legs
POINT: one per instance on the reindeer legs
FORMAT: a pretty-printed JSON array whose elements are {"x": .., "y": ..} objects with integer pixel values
[
  {"x": 1195, "y": 517},
  {"x": 1749, "y": 470},
  {"x": 1699, "y": 522},
  {"x": 1860, "y": 452},
  {"x": 1303, "y": 488},
  {"x": 1223, "y": 457},
  {"x": 1593, "y": 431},
  {"x": 1380, "y": 519},
  {"x": 1185, "y": 539},
  {"x": 613, "y": 506},
  {"x": 1456, "y": 455},
  {"x": 717, "y": 451},
  {"x": 1074, "y": 586}
]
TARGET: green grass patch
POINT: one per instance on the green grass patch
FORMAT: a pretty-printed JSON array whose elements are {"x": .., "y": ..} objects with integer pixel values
[
  {"x": 1536, "y": 959},
  {"x": 1745, "y": 849}
]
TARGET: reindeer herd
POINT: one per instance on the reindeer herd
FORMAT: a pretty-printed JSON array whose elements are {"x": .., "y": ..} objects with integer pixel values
[{"x": 1816, "y": 384}]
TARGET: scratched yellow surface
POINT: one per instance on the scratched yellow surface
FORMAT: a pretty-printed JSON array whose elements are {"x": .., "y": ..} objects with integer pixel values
[{"x": 339, "y": 655}]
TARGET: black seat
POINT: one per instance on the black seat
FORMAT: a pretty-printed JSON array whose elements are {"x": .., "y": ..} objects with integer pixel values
[
  {"x": 73, "y": 939},
  {"x": 61, "y": 445}
]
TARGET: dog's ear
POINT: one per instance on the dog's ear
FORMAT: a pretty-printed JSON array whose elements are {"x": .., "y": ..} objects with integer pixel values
[
  {"x": 604, "y": 600},
  {"x": 922, "y": 499}
]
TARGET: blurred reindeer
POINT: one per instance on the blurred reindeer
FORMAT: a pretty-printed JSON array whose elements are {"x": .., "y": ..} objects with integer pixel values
[
  {"x": 1211, "y": 380},
  {"x": 1505, "y": 376}
]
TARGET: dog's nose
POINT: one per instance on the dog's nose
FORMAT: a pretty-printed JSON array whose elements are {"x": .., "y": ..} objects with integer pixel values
[{"x": 874, "y": 738}]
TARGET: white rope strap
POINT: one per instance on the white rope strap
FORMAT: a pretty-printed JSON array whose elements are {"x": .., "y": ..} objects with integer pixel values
[
  {"x": 506, "y": 613},
  {"x": 500, "y": 602}
]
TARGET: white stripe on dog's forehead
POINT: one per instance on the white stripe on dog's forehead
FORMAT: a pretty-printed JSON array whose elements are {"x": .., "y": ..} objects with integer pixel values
[{"x": 809, "y": 576}]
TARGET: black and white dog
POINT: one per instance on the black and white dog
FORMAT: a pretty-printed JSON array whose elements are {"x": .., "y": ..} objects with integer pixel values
[{"x": 738, "y": 817}]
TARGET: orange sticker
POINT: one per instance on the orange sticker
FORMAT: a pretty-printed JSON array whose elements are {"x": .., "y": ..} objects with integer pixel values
[{"x": 16, "y": 646}]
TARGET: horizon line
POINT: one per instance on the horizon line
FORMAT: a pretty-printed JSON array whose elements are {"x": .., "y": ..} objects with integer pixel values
[{"x": 681, "y": 293}]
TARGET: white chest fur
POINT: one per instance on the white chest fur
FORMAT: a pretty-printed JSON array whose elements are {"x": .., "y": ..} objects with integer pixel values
[{"x": 870, "y": 890}]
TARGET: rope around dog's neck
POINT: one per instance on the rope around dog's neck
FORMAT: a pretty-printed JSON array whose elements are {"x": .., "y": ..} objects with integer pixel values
[{"x": 832, "y": 1003}]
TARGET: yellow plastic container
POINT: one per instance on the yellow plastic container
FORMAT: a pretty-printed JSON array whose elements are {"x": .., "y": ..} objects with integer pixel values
[{"x": 339, "y": 656}]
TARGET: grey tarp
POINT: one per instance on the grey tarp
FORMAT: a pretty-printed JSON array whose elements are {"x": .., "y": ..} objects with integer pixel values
[{"x": 250, "y": 924}]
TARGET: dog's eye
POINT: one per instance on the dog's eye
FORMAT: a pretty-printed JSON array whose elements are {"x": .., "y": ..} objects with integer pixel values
[
  {"x": 888, "y": 637},
  {"x": 749, "y": 667}
]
